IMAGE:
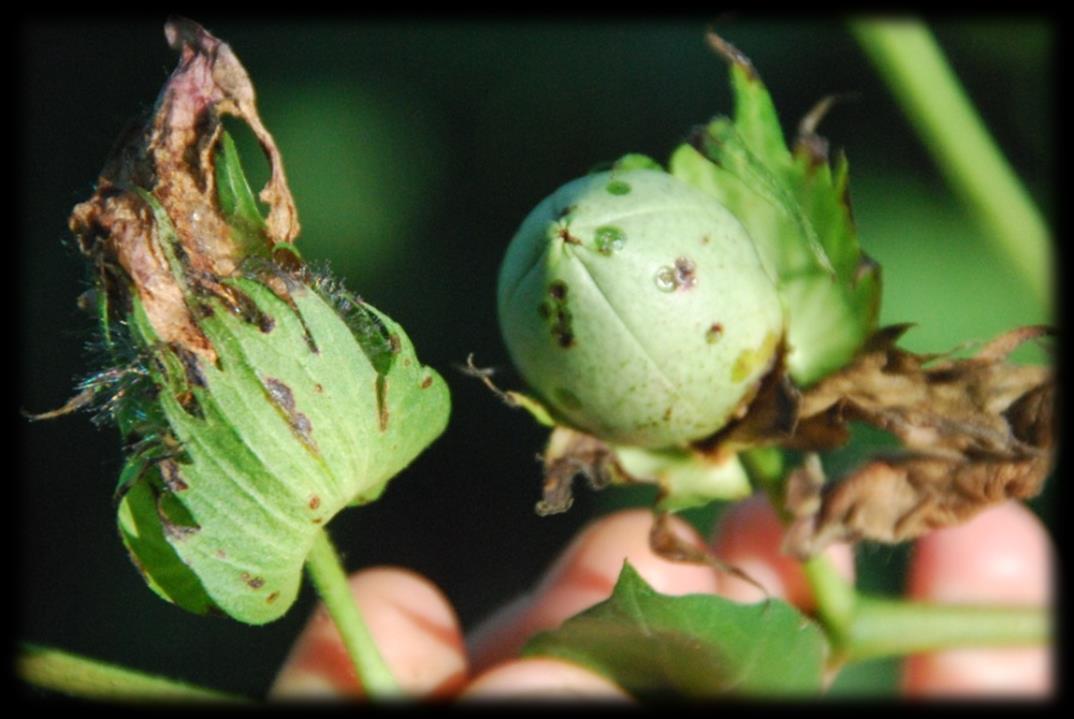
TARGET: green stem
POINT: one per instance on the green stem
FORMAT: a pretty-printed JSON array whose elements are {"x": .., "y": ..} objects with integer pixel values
[
  {"x": 88, "y": 678},
  {"x": 909, "y": 59},
  {"x": 328, "y": 577},
  {"x": 836, "y": 600},
  {"x": 886, "y": 627},
  {"x": 863, "y": 627}
]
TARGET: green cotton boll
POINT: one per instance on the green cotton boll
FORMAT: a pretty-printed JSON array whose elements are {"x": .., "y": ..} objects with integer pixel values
[
  {"x": 312, "y": 405},
  {"x": 638, "y": 309}
]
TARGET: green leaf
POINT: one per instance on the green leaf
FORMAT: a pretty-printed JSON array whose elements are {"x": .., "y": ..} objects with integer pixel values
[
  {"x": 293, "y": 423},
  {"x": 697, "y": 645},
  {"x": 795, "y": 206},
  {"x": 236, "y": 199}
]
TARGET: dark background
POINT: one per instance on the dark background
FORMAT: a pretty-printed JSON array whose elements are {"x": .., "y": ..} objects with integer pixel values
[{"x": 414, "y": 149}]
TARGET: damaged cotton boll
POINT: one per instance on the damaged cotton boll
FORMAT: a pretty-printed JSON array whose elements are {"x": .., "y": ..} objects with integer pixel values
[
  {"x": 260, "y": 398},
  {"x": 608, "y": 297}
]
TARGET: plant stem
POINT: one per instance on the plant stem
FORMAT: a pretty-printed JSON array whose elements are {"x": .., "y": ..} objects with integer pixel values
[
  {"x": 886, "y": 627},
  {"x": 835, "y": 598},
  {"x": 863, "y": 627},
  {"x": 327, "y": 575},
  {"x": 907, "y": 56},
  {"x": 88, "y": 678}
]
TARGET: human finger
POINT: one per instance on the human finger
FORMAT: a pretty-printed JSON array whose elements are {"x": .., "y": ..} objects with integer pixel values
[
  {"x": 585, "y": 574},
  {"x": 413, "y": 625},
  {"x": 543, "y": 680},
  {"x": 1002, "y": 556},
  {"x": 748, "y": 537}
]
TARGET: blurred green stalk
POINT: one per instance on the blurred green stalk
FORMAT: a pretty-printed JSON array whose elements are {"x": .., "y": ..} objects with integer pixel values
[
  {"x": 328, "y": 576},
  {"x": 88, "y": 678},
  {"x": 911, "y": 62}
]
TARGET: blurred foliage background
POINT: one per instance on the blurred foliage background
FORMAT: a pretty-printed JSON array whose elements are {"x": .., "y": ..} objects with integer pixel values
[{"x": 414, "y": 149}]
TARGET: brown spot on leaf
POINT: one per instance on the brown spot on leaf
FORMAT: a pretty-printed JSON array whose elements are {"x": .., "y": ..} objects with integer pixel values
[
  {"x": 381, "y": 388},
  {"x": 284, "y": 400},
  {"x": 169, "y": 472},
  {"x": 252, "y": 581}
]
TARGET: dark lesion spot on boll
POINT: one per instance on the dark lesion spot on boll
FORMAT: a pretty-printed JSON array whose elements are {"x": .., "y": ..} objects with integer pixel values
[
  {"x": 565, "y": 235},
  {"x": 427, "y": 382},
  {"x": 685, "y": 273},
  {"x": 667, "y": 414},
  {"x": 559, "y": 314},
  {"x": 315, "y": 502},
  {"x": 714, "y": 332},
  {"x": 705, "y": 239},
  {"x": 564, "y": 211},
  {"x": 272, "y": 597}
]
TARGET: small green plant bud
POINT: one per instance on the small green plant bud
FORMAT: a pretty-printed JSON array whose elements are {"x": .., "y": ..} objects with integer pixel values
[{"x": 638, "y": 309}]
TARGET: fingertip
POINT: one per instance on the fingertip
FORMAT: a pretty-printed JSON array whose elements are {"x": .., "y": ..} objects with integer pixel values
[
  {"x": 588, "y": 569},
  {"x": 543, "y": 680},
  {"x": 749, "y": 537},
  {"x": 413, "y": 625},
  {"x": 1004, "y": 556},
  {"x": 585, "y": 574}
]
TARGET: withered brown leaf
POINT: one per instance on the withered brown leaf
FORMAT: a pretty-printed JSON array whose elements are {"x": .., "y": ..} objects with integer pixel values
[
  {"x": 170, "y": 157},
  {"x": 976, "y": 432}
]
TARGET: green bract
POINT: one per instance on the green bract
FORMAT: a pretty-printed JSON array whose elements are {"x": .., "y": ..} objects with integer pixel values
[
  {"x": 308, "y": 409},
  {"x": 637, "y": 307}
]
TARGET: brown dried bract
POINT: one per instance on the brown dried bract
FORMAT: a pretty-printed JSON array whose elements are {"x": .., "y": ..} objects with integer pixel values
[
  {"x": 976, "y": 432},
  {"x": 571, "y": 453},
  {"x": 171, "y": 158}
]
